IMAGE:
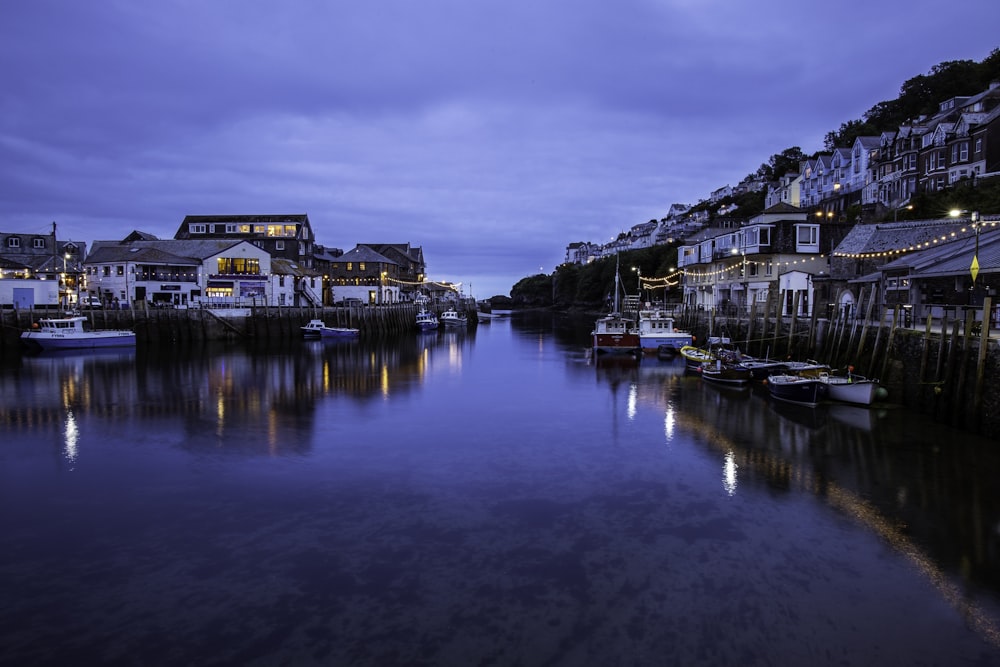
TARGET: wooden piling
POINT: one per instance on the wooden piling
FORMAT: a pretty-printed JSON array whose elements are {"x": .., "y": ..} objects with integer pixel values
[{"x": 984, "y": 337}]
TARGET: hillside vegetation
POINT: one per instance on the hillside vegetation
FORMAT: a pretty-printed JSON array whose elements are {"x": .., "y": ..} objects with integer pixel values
[{"x": 587, "y": 287}]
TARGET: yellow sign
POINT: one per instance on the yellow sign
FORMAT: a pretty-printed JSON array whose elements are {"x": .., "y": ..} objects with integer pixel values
[{"x": 975, "y": 267}]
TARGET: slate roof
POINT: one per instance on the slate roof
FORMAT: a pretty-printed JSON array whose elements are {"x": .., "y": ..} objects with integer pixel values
[
  {"x": 159, "y": 252},
  {"x": 890, "y": 236},
  {"x": 364, "y": 254},
  {"x": 287, "y": 267},
  {"x": 953, "y": 258}
]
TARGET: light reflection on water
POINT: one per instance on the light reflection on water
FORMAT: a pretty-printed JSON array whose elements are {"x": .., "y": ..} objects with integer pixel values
[{"x": 494, "y": 495}]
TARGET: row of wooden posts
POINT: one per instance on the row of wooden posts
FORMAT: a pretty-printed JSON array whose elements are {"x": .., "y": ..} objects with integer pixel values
[{"x": 260, "y": 323}]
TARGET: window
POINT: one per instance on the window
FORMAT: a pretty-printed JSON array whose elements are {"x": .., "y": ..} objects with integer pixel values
[
  {"x": 807, "y": 235},
  {"x": 38, "y": 243},
  {"x": 279, "y": 245},
  {"x": 106, "y": 271},
  {"x": 963, "y": 151},
  {"x": 361, "y": 266},
  {"x": 232, "y": 229},
  {"x": 13, "y": 242},
  {"x": 979, "y": 145},
  {"x": 239, "y": 266},
  {"x": 197, "y": 228},
  {"x": 350, "y": 266},
  {"x": 119, "y": 270}
]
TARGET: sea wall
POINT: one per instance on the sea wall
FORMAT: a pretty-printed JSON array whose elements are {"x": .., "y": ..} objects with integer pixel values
[
  {"x": 947, "y": 369},
  {"x": 259, "y": 324}
]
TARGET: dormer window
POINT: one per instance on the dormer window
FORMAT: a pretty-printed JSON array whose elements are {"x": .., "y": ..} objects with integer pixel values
[
  {"x": 13, "y": 242},
  {"x": 38, "y": 244},
  {"x": 197, "y": 228}
]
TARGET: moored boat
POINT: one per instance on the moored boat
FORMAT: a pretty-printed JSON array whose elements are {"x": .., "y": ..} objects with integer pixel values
[
  {"x": 807, "y": 368},
  {"x": 426, "y": 320},
  {"x": 761, "y": 369},
  {"x": 317, "y": 329},
  {"x": 798, "y": 389},
  {"x": 850, "y": 388},
  {"x": 454, "y": 319},
  {"x": 68, "y": 333},
  {"x": 614, "y": 333},
  {"x": 720, "y": 372},
  {"x": 658, "y": 332}
]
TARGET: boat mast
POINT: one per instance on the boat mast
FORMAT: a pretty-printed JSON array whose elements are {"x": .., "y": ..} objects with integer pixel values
[{"x": 617, "y": 281}]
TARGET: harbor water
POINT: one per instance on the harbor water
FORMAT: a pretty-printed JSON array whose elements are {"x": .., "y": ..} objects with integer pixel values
[{"x": 483, "y": 497}]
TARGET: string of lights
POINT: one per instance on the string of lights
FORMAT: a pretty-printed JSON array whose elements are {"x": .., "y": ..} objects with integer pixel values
[
  {"x": 917, "y": 246},
  {"x": 736, "y": 265},
  {"x": 452, "y": 286}
]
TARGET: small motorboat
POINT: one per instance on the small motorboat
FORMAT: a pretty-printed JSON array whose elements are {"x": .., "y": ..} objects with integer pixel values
[
  {"x": 454, "y": 319},
  {"x": 317, "y": 329},
  {"x": 658, "y": 333},
  {"x": 426, "y": 320},
  {"x": 68, "y": 333}
]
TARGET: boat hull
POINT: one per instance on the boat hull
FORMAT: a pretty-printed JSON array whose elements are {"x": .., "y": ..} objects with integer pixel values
[
  {"x": 851, "y": 390},
  {"x": 796, "y": 389},
  {"x": 726, "y": 374},
  {"x": 652, "y": 343},
  {"x": 88, "y": 341},
  {"x": 617, "y": 343}
]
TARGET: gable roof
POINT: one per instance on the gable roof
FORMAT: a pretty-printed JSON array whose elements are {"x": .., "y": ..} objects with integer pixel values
[
  {"x": 361, "y": 253},
  {"x": 168, "y": 251}
]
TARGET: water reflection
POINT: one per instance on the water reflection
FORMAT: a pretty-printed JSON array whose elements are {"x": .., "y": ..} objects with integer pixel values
[
  {"x": 219, "y": 392},
  {"x": 925, "y": 490}
]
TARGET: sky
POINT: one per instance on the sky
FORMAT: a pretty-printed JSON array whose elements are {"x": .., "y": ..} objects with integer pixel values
[{"x": 490, "y": 133}]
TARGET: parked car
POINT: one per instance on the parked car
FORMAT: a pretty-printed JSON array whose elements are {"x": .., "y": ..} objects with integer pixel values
[{"x": 91, "y": 302}]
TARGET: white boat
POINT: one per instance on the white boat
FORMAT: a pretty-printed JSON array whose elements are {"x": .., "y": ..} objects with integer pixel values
[
  {"x": 850, "y": 388},
  {"x": 658, "y": 332},
  {"x": 426, "y": 320},
  {"x": 68, "y": 333},
  {"x": 316, "y": 329},
  {"x": 453, "y": 318}
]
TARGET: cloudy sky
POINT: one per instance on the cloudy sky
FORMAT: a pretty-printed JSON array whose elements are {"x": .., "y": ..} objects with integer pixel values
[{"x": 491, "y": 133}]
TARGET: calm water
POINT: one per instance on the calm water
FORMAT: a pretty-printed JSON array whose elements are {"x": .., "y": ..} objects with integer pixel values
[{"x": 485, "y": 498}]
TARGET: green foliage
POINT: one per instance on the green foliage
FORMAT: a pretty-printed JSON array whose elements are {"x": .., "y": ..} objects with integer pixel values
[
  {"x": 588, "y": 287},
  {"x": 923, "y": 93},
  {"x": 963, "y": 196},
  {"x": 532, "y": 292}
]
